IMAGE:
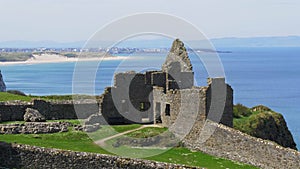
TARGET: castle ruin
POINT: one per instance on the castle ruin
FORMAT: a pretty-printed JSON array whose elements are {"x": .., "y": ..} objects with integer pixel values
[{"x": 161, "y": 96}]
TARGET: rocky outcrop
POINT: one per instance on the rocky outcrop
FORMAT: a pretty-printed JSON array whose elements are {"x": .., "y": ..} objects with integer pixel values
[
  {"x": 2, "y": 84},
  {"x": 266, "y": 124},
  {"x": 269, "y": 125},
  {"x": 32, "y": 115}
]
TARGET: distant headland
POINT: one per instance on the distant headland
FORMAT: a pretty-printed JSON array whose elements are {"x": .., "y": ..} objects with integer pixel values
[{"x": 12, "y": 58}]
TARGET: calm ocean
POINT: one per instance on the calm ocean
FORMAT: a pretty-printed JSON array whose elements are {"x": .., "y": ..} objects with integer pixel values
[{"x": 268, "y": 76}]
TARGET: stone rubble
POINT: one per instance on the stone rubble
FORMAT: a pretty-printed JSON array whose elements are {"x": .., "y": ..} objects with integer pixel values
[
  {"x": 34, "y": 128},
  {"x": 32, "y": 115}
]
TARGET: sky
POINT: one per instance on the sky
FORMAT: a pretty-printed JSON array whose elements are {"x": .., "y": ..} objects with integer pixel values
[{"x": 76, "y": 20}]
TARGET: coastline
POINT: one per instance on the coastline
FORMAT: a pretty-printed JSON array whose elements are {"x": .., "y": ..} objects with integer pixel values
[{"x": 48, "y": 58}]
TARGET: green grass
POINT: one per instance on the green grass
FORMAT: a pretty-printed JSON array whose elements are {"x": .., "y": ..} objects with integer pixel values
[
  {"x": 122, "y": 128},
  {"x": 247, "y": 119},
  {"x": 107, "y": 131},
  {"x": 79, "y": 141},
  {"x": 65, "y": 97},
  {"x": 4, "y": 96},
  {"x": 72, "y": 140},
  {"x": 184, "y": 156},
  {"x": 147, "y": 132},
  {"x": 9, "y": 97}
]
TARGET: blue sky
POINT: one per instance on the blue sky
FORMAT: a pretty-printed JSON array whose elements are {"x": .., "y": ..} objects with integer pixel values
[{"x": 75, "y": 20}]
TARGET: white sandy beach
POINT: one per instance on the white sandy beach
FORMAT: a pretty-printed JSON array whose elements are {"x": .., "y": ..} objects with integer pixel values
[{"x": 51, "y": 58}]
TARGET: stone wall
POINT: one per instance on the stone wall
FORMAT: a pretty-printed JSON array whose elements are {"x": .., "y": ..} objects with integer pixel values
[
  {"x": 24, "y": 156},
  {"x": 129, "y": 100},
  {"x": 108, "y": 109},
  {"x": 219, "y": 101},
  {"x": 229, "y": 143},
  {"x": 34, "y": 128},
  {"x": 66, "y": 109},
  {"x": 15, "y": 110}
]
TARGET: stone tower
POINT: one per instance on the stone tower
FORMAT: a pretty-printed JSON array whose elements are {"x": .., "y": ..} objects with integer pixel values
[
  {"x": 178, "y": 67},
  {"x": 178, "y": 54},
  {"x": 2, "y": 84}
]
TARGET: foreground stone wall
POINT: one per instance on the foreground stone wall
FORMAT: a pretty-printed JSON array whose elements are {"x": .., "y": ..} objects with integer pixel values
[
  {"x": 15, "y": 110},
  {"x": 229, "y": 143},
  {"x": 24, "y": 156}
]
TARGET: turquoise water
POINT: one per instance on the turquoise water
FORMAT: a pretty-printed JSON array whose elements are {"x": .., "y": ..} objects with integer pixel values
[{"x": 268, "y": 76}]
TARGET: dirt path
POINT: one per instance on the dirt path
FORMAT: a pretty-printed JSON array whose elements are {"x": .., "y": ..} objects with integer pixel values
[{"x": 102, "y": 141}]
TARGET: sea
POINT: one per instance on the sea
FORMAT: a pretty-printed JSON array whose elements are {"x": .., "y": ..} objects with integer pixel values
[{"x": 258, "y": 75}]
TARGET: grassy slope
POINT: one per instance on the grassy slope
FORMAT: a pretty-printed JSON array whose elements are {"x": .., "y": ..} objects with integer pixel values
[
  {"x": 247, "y": 119},
  {"x": 8, "y": 97},
  {"x": 182, "y": 155},
  {"x": 4, "y": 96},
  {"x": 72, "y": 140},
  {"x": 79, "y": 141},
  {"x": 187, "y": 157}
]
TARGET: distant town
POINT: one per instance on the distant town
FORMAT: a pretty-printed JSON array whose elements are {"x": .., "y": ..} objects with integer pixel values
[{"x": 113, "y": 50}]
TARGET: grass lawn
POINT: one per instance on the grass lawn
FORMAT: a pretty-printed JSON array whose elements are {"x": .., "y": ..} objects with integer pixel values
[
  {"x": 72, "y": 140},
  {"x": 147, "y": 132},
  {"x": 184, "y": 156},
  {"x": 107, "y": 131},
  {"x": 8, "y": 97},
  {"x": 5, "y": 96},
  {"x": 80, "y": 141}
]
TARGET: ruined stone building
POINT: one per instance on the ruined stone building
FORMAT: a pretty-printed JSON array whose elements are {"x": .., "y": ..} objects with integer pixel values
[{"x": 162, "y": 96}]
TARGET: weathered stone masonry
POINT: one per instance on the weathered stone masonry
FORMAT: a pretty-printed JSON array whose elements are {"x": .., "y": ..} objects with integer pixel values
[
  {"x": 232, "y": 144},
  {"x": 24, "y": 156},
  {"x": 160, "y": 96},
  {"x": 15, "y": 110}
]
